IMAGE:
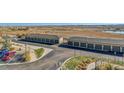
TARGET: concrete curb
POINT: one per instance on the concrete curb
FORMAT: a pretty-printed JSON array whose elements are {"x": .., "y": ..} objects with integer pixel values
[{"x": 64, "y": 63}]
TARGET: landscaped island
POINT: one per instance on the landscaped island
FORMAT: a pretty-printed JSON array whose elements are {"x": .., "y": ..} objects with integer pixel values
[
  {"x": 39, "y": 52},
  {"x": 88, "y": 62},
  {"x": 78, "y": 63}
]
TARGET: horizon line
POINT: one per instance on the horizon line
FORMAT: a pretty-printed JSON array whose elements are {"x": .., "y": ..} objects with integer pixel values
[{"x": 56, "y": 24}]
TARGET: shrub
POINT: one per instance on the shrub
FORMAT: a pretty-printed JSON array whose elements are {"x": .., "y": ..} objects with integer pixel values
[
  {"x": 81, "y": 66},
  {"x": 27, "y": 56},
  {"x": 104, "y": 66},
  {"x": 12, "y": 48}
]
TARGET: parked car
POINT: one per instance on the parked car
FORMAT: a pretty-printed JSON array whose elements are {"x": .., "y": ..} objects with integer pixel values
[
  {"x": 10, "y": 54},
  {"x": 6, "y": 58},
  {"x": 3, "y": 52}
]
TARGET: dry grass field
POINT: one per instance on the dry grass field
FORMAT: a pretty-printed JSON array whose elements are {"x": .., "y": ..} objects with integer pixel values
[{"x": 65, "y": 31}]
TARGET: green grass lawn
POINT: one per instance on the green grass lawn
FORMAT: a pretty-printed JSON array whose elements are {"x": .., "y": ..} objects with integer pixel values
[
  {"x": 39, "y": 52},
  {"x": 118, "y": 63}
]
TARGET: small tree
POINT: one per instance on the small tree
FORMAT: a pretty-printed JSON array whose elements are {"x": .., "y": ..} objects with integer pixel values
[
  {"x": 7, "y": 43},
  {"x": 27, "y": 56}
]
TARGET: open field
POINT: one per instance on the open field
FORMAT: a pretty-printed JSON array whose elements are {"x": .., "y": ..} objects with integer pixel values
[{"x": 65, "y": 31}]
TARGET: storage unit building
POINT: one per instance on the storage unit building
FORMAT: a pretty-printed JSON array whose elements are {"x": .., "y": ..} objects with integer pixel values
[
  {"x": 44, "y": 38},
  {"x": 100, "y": 44}
]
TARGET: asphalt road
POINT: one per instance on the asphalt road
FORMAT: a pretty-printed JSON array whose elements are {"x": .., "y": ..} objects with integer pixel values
[{"x": 54, "y": 59}]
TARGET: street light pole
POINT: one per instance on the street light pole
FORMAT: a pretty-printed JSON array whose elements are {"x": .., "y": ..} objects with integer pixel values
[
  {"x": 115, "y": 56},
  {"x": 74, "y": 52}
]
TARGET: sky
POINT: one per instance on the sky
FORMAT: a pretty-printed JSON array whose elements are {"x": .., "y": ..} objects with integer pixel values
[{"x": 61, "y": 11}]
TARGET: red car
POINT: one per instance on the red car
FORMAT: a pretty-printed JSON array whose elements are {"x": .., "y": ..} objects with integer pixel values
[
  {"x": 10, "y": 54},
  {"x": 6, "y": 58}
]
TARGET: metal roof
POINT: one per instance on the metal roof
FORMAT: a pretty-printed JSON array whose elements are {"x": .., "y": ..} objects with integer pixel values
[
  {"x": 43, "y": 35},
  {"x": 98, "y": 40}
]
